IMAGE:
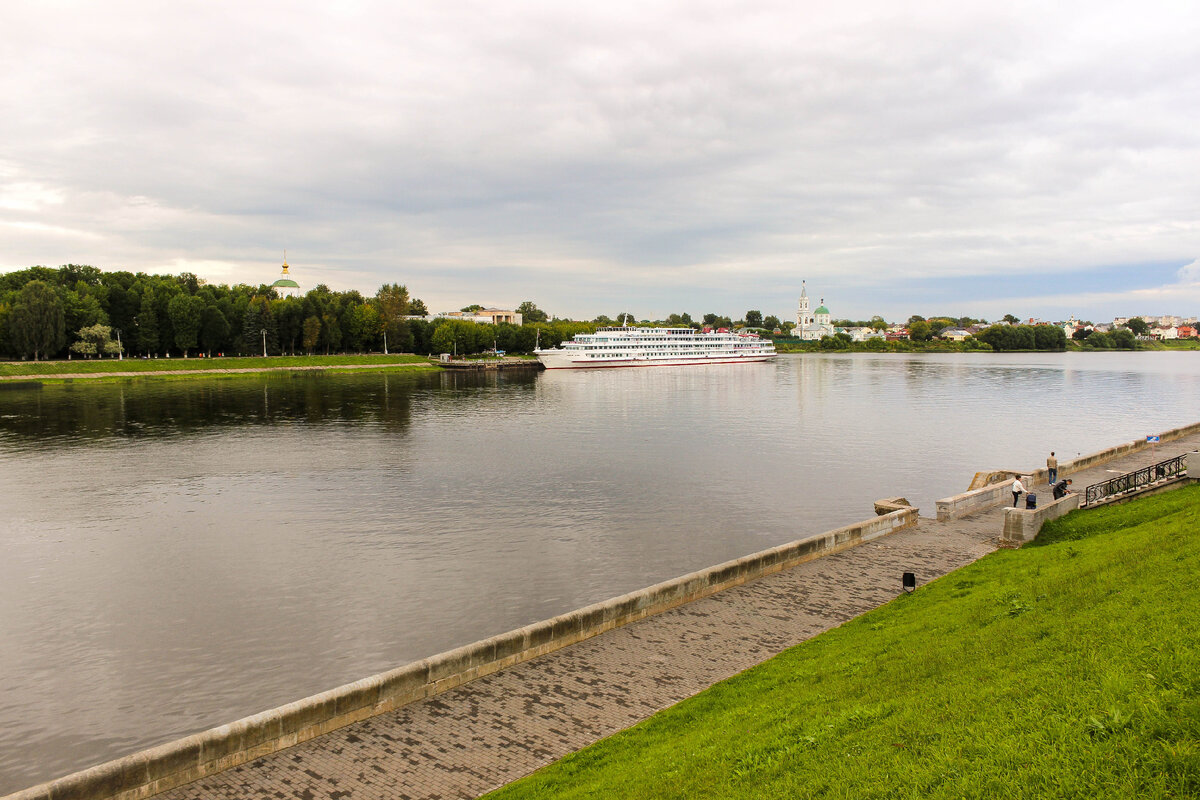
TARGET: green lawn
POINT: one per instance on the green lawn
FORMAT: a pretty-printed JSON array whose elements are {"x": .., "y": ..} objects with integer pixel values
[
  {"x": 1180, "y": 344},
  {"x": 1068, "y": 669},
  {"x": 100, "y": 366}
]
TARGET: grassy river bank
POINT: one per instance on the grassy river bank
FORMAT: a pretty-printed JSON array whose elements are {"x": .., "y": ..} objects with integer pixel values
[
  {"x": 1066, "y": 669},
  {"x": 109, "y": 369}
]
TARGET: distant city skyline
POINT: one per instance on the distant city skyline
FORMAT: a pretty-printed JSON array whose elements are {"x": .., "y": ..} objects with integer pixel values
[{"x": 657, "y": 158}]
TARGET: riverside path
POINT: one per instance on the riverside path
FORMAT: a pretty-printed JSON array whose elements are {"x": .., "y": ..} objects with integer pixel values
[{"x": 500, "y": 727}]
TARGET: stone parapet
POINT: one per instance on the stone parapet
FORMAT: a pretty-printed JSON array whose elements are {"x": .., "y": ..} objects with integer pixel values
[
  {"x": 960, "y": 505},
  {"x": 996, "y": 493},
  {"x": 173, "y": 764},
  {"x": 1023, "y": 524}
]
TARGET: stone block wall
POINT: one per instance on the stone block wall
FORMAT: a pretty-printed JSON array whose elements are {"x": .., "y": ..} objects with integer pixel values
[{"x": 1023, "y": 525}]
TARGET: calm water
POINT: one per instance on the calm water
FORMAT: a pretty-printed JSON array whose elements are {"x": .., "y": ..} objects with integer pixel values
[{"x": 180, "y": 554}]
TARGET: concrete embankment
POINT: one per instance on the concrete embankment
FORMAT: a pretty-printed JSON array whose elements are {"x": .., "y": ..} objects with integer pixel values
[
  {"x": 998, "y": 489},
  {"x": 160, "y": 768}
]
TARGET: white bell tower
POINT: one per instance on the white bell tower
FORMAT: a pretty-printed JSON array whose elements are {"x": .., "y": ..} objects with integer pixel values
[{"x": 803, "y": 315}]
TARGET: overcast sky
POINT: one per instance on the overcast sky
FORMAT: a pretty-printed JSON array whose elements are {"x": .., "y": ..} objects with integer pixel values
[{"x": 1041, "y": 159}]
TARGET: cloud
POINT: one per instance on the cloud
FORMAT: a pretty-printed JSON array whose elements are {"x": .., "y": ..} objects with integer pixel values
[
  {"x": 1190, "y": 273},
  {"x": 686, "y": 154}
]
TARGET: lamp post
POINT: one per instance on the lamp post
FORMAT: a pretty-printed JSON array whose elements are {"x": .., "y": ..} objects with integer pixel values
[
  {"x": 120, "y": 351},
  {"x": 264, "y": 335},
  {"x": 385, "y": 352}
]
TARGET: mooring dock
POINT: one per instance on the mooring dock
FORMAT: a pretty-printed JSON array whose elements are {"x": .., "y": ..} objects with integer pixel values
[{"x": 490, "y": 364}]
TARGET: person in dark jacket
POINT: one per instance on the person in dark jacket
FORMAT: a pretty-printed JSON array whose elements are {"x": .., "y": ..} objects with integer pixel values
[{"x": 1061, "y": 490}]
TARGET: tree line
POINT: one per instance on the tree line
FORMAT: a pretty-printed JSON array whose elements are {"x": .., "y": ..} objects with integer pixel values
[
  {"x": 79, "y": 309},
  {"x": 47, "y": 313}
]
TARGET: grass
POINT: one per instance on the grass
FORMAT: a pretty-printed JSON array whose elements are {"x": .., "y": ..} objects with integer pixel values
[
  {"x": 1069, "y": 669},
  {"x": 1174, "y": 344},
  {"x": 158, "y": 377},
  {"x": 102, "y": 366}
]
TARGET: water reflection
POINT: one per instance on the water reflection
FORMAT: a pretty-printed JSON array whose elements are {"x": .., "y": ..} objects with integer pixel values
[{"x": 65, "y": 414}]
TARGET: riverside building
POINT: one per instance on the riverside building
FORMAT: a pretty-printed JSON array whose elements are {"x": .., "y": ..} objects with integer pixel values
[
  {"x": 811, "y": 326},
  {"x": 285, "y": 286}
]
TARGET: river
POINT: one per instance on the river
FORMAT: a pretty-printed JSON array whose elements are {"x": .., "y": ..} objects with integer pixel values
[{"x": 179, "y": 554}]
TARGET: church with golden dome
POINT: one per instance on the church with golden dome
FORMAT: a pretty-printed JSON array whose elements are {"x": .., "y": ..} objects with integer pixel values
[{"x": 286, "y": 286}]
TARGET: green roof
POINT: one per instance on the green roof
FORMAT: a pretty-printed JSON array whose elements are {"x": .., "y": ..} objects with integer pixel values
[
  {"x": 821, "y": 310},
  {"x": 286, "y": 283}
]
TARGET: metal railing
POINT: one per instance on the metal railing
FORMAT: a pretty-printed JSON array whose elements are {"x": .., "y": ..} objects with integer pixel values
[{"x": 1135, "y": 480}]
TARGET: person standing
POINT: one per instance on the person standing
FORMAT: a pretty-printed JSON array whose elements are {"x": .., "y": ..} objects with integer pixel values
[
  {"x": 1017, "y": 488},
  {"x": 1052, "y": 468}
]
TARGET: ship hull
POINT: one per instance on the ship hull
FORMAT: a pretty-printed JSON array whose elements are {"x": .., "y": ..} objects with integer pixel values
[{"x": 563, "y": 360}]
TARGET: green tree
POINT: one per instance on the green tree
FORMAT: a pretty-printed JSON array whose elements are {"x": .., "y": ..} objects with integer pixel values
[
  {"x": 331, "y": 333},
  {"x": 146, "y": 323},
  {"x": 289, "y": 319},
  {"x": 1138, "y": 326},
  {"x": 754, "y": 319},
  {"x": 416, "y": 308},
  {"x": 878, "y": 323},
  {"x": 96, "y": 340},
  {"x": 187, "y": 313},
  {"x": 457, "y": 336},
  {"x": 531, "y": 313},
  {"x": 392, "y": 304},
  {"x": 771, "y": 323},
  {"x": 81, "y": 310},
  {"x": 1049, "y": 337},
  {"x": 1010, "y": 319},
  {"x": 939, "y": 324},
  {"x": 365, "y": 326},
  {"x": 252, "y": 327},
  {"x": 1123, "y": 339},
  {"x": 214, "y": 330},
  {"x": 36, "y": 321},
  {"x": 312, "y": 334},
  {"x": 920, "y": 331},
  {"x": 875, "y": 344}
]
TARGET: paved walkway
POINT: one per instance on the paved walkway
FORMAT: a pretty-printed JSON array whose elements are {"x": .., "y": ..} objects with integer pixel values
[{"x": 496, "y": 729}]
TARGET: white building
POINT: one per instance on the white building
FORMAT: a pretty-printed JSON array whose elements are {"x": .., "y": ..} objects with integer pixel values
[
  {"x": 286, "y": 286},
  {"x": 489, "y": 316},
  {"x": 1165, "y": 332},
  {"x": 863, "y": 334},
  {"x": 812, "y": 326}
]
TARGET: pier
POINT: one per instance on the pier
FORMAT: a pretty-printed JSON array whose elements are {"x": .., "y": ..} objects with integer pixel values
[{"x": 490, "y": 364}]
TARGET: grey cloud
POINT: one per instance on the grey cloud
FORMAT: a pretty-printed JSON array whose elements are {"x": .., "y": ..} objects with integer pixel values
[{"x": 656, "y": 143}]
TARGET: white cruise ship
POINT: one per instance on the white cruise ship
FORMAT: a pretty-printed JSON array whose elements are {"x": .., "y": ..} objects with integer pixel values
[{"x": 648, "y": 347}]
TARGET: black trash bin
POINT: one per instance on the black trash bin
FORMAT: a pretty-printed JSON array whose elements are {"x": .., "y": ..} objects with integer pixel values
[{"x": 1031, "y": 500}]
